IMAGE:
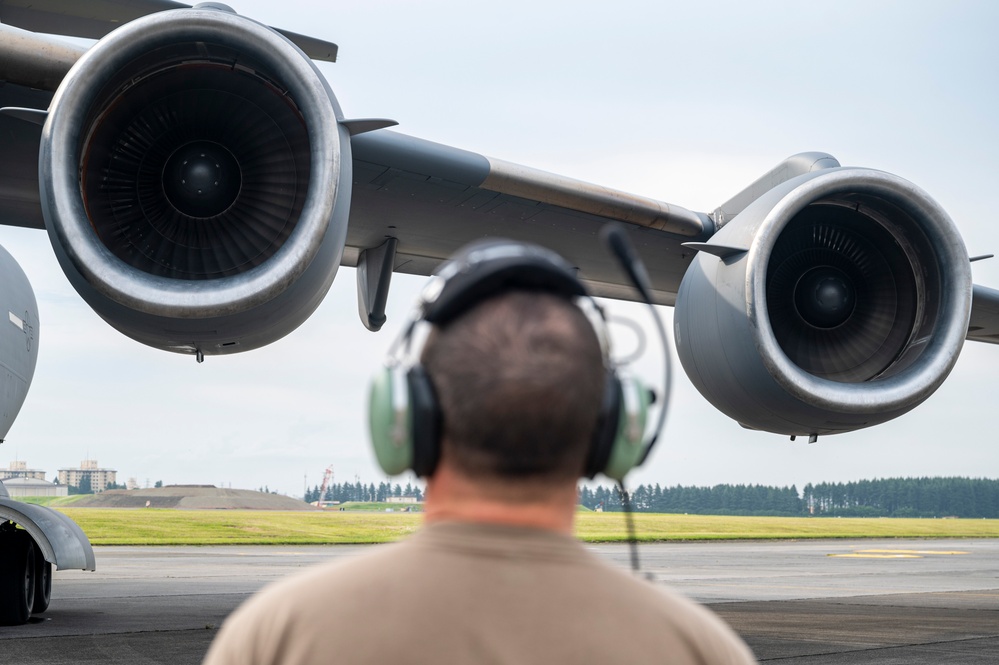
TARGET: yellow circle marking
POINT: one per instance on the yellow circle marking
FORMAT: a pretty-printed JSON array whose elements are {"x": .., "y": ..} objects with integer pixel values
[{"x": 860, "y": 555}]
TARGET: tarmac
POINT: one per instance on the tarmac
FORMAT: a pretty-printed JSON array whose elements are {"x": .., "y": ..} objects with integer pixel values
[{"x": 814, "y": 602}]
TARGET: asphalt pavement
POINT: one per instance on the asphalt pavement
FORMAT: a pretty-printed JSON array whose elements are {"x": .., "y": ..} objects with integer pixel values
[{"x": 814, "y": 602}]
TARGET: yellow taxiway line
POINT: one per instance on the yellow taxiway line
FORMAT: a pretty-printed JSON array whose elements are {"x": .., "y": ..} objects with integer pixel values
[{"x": 894, "y": 554}]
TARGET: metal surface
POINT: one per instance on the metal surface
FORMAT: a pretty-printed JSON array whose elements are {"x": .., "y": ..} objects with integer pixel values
[
  {"x": 725, "y": 329},
  {"x": 532, "y": 184},
  {"x": 374, "y": 275},
  {"x": 984, "y": 324},
  {"x": 61, "y": 542},
  {"x": 32, "y": 60},
  {"x": 792, "y": 167},
  {"x": 96, "y": 18},
  {"x": 19, "y": 202},
  {"x": 434, "y": 199},
  {"x": 232, "y": 313},
  {"x": 19, "y": 332}
]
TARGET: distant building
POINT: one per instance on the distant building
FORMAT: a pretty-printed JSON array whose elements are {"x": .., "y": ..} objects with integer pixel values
[
  {"x": 17, "y": 487},
  {"x": 20, "y": 470},
  {"x": 401, "y": 499},
  {"x": 99, "y": 478}
]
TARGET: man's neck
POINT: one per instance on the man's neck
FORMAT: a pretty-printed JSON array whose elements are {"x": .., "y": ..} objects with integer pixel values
[{"x": 454, "y": 497}]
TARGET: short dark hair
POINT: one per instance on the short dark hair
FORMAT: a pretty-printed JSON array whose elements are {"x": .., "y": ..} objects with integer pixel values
[{"x": 520, "y": 380}]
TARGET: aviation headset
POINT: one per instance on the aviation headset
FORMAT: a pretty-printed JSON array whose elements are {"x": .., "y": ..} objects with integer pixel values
[{"x": 404, "y": 416}]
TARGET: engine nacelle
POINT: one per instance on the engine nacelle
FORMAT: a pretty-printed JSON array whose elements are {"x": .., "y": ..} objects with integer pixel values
[
  {"x": 195, "y": 181},
  {"x": 848, "y": 308}
]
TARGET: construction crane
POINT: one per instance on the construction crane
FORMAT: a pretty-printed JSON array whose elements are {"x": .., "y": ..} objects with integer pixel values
[{"x": 327, "y": 478}]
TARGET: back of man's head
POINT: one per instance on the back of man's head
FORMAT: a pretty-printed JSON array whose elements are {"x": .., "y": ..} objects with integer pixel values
[{"x": 520, "y": 380}]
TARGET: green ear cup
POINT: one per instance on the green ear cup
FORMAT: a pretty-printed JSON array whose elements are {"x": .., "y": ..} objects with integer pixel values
[
  {"x": 389, "y": 421},
  {"x": 628, "y": 448}
]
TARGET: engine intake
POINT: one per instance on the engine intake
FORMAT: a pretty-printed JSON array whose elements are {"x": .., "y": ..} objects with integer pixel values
[
  {"x": 195, "y": 181},
  {"x": 849, "y": 307}
]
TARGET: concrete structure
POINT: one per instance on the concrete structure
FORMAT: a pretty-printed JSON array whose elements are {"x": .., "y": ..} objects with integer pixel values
[
  {"x": 18, "y": 487},
  {"x": 19, "y": 469},
  {"x": 401, "y": 499},
  {"x": 99, "y": 478}
]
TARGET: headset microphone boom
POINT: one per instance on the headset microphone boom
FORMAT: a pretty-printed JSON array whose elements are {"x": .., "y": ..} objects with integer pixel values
[{"x": 617, "y": 241}]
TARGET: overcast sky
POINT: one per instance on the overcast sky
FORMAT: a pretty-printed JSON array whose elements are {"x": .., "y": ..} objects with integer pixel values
[{"x": 686, "y": 103}]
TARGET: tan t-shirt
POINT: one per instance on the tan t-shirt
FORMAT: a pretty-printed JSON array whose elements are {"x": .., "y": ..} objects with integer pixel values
[{"x": 464, "y": 593}]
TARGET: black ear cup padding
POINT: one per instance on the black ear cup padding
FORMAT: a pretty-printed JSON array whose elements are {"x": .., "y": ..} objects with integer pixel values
[
  {"x": 607, "y": 425},
  {"x": 425, "y": 419}
]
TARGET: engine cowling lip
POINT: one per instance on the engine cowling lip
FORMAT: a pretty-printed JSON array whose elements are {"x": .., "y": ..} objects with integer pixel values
[
  {"x": 926, "y": 374},
  {"x": 60, "y": 157}
]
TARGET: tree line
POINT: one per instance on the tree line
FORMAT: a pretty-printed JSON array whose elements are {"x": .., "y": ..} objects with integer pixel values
[
  {"x": 343, "y": 492},
  {"x": 887, "y": 497},
  {"x": 905, "y": 497},
  {"x": 717, "y": 500}
]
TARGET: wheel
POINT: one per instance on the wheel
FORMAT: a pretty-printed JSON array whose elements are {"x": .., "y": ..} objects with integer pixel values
[
  {"x": 17, "y": 579},
  {"x": 43, "y": 583}
]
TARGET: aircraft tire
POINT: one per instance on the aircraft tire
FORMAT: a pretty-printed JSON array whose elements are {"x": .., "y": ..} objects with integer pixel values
[
  {"x": 43, "y": 583},
  {"x": 17, "y": 579}
]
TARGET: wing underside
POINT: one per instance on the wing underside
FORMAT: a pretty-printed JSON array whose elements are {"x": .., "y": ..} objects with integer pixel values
[
  {"x": 984, "y": 325},
  {"x": 434, "y": 199}
]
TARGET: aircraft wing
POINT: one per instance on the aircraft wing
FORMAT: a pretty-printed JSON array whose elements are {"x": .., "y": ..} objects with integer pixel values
[
  {"x": 984, "y": 326},
  {"x": 94, "y": 19},
  {"x": 435, "y": 198},
  {"x": 201, "y": 186}
]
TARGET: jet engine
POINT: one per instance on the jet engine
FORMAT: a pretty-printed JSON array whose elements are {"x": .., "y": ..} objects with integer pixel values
[
  {"x": 838, "y": 300},
  {"x": 195, "y": 181}
]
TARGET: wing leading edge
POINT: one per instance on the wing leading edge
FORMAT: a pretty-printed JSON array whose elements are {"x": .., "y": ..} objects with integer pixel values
[{"x": 434, "y": 198}]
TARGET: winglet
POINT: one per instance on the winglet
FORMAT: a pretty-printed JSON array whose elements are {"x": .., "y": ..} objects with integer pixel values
[
  {"x": 723, "y": 252},
  {"x": 35, "y": 116},
  {"x": 361, "y": 125}
]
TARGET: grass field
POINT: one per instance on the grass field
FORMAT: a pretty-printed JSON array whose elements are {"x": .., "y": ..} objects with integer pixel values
[
  {"x": 52, "y": 501},
  {"x": 378, "y": 506},
  {"x": 239, "y": 527}
]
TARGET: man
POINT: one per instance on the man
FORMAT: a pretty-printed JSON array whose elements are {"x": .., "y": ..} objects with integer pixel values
[{"x": 519, "y": 378}]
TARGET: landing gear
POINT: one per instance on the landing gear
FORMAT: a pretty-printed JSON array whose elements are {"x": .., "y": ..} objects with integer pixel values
[
  {"x": 34, "y": 540},
  {"x": 18, "y": 580},
  {"x": 43, "y": 583}
]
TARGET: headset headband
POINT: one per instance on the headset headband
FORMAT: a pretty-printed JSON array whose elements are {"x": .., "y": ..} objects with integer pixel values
[{"x": 487, "y": 268}]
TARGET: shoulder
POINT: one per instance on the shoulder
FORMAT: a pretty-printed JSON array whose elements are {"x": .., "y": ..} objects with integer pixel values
[
  {"x": 643, "y": 610},
  {"x": 265, "y": 628}
]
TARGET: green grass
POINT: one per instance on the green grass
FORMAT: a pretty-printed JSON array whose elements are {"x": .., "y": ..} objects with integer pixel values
[
  {"x": 160, "y": 526},
  {"x": 609, "y": 527},
  {"x": 52, "y": 501},
  {"x": 376, "y": 506},
  {"x": 151, "y": 526}
]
